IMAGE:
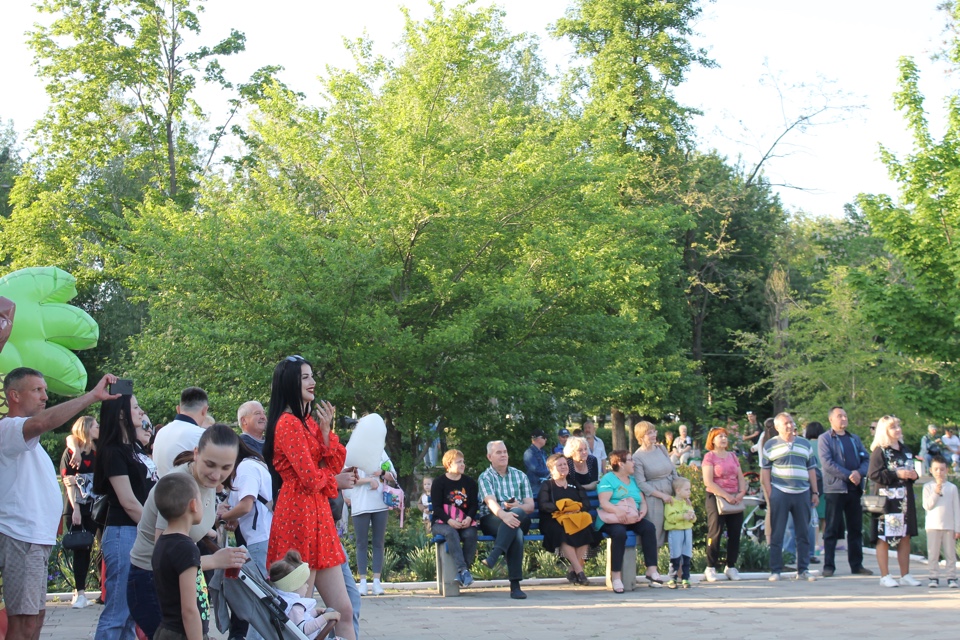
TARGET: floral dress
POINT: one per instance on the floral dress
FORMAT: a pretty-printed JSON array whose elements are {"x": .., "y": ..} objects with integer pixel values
[
  {"x": 899, "y": 517},
  {"x": 302, "y": 519}
]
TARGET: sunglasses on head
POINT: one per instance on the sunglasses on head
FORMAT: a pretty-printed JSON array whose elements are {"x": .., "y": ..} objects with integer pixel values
[{"x": 295, "y": 359}]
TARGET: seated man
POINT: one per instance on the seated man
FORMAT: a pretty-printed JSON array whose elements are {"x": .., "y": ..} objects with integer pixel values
[
  {"x": 952, "y": 443},
  {"x": 505, "y": 508}
]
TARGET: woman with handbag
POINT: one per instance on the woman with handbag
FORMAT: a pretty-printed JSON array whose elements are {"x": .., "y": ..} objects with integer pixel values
[
  {"x": 654, "y": 472},
  {"x": 76, "y": 468},
  {"x": 211, "y": 464},
  {"x": 725, "y": 486},
  {"x": 892, "y": 470},
  {"x": 565, "y": 521},
  {"x": 622, "y": 509},
  {"x": 121, "y": 476},
  {"x": 369, "y": 511}
]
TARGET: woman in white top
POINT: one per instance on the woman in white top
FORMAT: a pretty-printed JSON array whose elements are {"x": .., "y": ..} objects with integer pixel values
[{"x": 366, "y": 508}]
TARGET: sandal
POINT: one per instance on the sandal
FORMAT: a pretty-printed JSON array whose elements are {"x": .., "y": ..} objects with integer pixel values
[
  {"x": 654, "y": 580},
  {"x": 617, "y": 585}
]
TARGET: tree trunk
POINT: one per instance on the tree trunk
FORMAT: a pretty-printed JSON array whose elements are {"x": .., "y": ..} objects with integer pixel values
[{"x": 617, "y": 420}]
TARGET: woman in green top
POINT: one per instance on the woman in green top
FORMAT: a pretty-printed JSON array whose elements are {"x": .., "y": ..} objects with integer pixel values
[{"x": 622, "y": 509}]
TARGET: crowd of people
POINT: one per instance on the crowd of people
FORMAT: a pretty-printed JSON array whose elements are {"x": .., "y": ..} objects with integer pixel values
[{"x": 156, "y": 500}]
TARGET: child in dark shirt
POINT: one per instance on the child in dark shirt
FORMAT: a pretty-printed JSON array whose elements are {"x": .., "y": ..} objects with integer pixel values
[{"x": 180, "y": 584}]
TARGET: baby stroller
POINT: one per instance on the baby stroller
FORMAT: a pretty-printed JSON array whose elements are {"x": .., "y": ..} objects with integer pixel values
[
  {"x": 755, "y": 509},
  {"x": 254, "y": 600}
]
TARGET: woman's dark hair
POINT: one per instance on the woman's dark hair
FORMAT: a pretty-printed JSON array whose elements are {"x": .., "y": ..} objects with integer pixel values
[
  {"x": 285, "y": 393},
  {"x": 617, "y": 457},
  {"x": 813, "y": 430},
  {"x": 116, "y": 429}
]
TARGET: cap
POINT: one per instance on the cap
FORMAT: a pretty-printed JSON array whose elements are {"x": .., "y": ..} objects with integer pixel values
[
  {"x": 538, "y": 433},
  {"x": 563, "y": 433}
]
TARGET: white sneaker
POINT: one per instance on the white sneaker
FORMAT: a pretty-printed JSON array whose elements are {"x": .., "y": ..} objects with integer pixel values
[
  {"x": 732, "y": 573},
  {"x": 909, "y": 581},
  {"x": 79, "y": 601},
  {"x": 806, "y": 575},
  {"x": 888, "y": 581},
  {"x": 362, "y": 587},
  {"x": 775, "y": 577},
  {"x": 377, "y": 588},
  {"x": 710, "y": 575}
]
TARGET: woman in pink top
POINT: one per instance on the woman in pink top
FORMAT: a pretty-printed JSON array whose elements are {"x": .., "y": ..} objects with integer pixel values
[{"x": 722, "y": 477}]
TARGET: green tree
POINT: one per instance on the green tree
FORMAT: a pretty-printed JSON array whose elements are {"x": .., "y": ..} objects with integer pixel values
[{"x": 10, "y": 165}]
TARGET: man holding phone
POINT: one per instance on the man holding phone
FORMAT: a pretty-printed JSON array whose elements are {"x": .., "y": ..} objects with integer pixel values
[
  {"x": 31, "y": 504},
  {"x": 506, "y": 503}
]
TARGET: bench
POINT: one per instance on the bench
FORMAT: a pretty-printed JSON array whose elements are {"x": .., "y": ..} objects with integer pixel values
[{"x": 447, "y": 573}]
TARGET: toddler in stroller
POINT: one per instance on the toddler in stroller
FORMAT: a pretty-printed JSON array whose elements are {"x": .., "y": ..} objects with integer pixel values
[{"x": 289, "y": 576}]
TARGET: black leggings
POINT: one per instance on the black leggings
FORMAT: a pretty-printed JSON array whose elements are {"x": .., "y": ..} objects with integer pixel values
[
  {"x": 81, "y": 557},
  {"x": 644, "y": 530}
]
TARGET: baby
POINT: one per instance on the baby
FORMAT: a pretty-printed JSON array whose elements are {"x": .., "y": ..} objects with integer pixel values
[
  {"x": 289, "y": 576},
  {"x": 678, "y": 519}
]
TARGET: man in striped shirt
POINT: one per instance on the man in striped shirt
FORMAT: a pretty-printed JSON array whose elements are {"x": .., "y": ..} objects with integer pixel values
[
  {"x": 788, "y": 476},
  {"x": 506, "y": 503}
]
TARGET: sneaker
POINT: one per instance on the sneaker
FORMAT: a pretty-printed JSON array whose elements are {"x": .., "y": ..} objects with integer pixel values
[
  {"x": 909, "y": 581},
  {"x": 774, "y": 577},
  {"x": 732, "y": 573},
  {"x": 710, "y": 575},
  {"x": 888, "y": 581},
  {"x": 672, "y": 583},
  {"x": 814, "y": 560},
  {"x": 862, "y": 571},
  {"x": 934, "y": 583},
  {"x": 362, "y": 587},
  {"x": 377, "y": 587},
  {"x": 952, "y": 583},
  {"x": 465, "y": 578},
  {"x": 685, "y": 584},
  {"x": 829, "y": 571},
  {"x": 79, "y": 601},
  {"x": 806, "y": 575}
]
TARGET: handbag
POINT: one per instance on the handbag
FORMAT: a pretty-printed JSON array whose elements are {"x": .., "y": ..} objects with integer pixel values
[
  {"x": 609, "y": 517},
  {"x": 873, "y": 504},
  {"x": 393, "y": 498},
  {"x": 77, "y": 538},
  {"x": 725, "y": 508},
  {"x": 99, "y": 510}
]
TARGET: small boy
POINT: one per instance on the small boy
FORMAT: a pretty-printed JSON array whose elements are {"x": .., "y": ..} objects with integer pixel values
[
  {"x": 181, "y": 588},
  {"x": 942, "y": 504},
  {"x": 424, "y": 503},
  {"x": 678, "y": 519}
]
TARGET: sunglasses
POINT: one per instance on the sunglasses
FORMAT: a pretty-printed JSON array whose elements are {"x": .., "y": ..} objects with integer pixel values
[{"x": 295, "y": 359}]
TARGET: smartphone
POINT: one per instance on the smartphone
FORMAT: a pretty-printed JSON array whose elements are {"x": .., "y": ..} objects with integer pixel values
[{"x": 123, "y": 387}]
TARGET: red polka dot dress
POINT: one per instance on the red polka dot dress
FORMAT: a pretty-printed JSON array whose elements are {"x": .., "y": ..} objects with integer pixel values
[{"x": 302, "y": 518}]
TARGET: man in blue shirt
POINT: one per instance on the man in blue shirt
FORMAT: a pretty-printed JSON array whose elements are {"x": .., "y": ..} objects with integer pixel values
[{"x": 535, "y": 461}]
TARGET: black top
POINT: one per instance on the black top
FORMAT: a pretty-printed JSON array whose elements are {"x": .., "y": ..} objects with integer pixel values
[
  {"x": 579, "y": 479},
  {"x": 120, "y": 460},
  {"x": 447, "y": 494},
  {"x": 173, "y": 554}
]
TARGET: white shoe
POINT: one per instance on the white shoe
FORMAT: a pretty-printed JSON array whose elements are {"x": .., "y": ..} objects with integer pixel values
[
  {"x": 909, "y": 581},
  {"x": 774, "y": 577},
  {"x": 79, "y": 601},
  {"x": 377, "y": 588},
  {"x": 710, "y": 575},
  {"x": 362, "y": 587},
  {"x": 888, "y": 581},
  {"x": 806, "y": 575},
  {"x": 732, "y": 573}
]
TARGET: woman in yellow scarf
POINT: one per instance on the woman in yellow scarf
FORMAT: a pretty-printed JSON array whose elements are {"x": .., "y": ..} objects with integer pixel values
[{"x": 565, "y": 521}]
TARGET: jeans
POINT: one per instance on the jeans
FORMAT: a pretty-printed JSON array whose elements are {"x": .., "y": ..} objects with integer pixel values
[
  {"x": 143, "y": 601},
  {"x": 680, "y": 542},
  {"x": 646, "y": 534},
  {"x": 781, "y": 505},
  {"x": 462, "y": 556},
  {"x": 843, "y": 508},
  {"x": 361, "y": 526},
  {"x": 352, "y": 591},
  {"x": 509, "y": 542},
  {"x": 115, "y": 622}
]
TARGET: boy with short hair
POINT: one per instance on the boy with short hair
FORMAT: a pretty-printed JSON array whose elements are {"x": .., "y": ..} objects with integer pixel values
[
  {"x": 678, "y": 519},
  {"x": 181, "y": 587},
  {"x": 941, "y": 501}
]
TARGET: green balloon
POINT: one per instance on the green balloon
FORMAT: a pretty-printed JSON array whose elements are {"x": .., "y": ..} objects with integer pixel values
[{"x": 46, "y": 328}]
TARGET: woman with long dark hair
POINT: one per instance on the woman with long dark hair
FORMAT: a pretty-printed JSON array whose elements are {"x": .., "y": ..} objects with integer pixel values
[
  {"x": 211, "y": 464},
  {"x": 305, "y": 456},
  {"x": 120, "y": 475},
  {"x": 76, "y": 468}
]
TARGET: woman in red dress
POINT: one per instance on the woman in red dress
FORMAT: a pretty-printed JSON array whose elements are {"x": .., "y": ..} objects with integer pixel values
[{"x": 306, "y": 455}]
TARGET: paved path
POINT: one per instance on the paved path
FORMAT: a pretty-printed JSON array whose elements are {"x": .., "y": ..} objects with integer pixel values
[{"x": 835, "y": 607}]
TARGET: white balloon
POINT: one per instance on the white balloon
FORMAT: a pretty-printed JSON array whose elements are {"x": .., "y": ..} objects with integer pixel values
[{"x": 366, "y": 443}]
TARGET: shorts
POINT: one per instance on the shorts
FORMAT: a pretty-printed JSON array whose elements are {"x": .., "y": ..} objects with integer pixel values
[{"x": 23, "y": 566}]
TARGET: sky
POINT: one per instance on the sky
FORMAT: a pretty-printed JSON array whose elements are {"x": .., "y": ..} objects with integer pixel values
[{"x": 776, "y": 61}]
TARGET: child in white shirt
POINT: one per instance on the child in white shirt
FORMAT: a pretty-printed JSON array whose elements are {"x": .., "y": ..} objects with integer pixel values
[{"x": 941, "y": 501}]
